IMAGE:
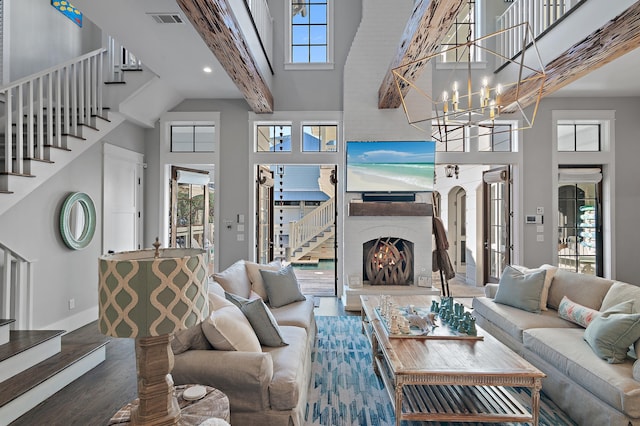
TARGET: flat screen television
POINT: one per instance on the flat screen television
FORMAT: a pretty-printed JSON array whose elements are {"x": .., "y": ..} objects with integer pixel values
[{"x": 390, "y": 166}]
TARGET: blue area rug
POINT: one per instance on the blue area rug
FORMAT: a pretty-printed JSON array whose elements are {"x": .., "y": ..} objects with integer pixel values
[{"x": 344, "y": 390}]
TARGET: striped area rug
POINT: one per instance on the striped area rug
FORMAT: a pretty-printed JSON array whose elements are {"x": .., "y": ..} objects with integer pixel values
[{"x": 344, "y": 390}]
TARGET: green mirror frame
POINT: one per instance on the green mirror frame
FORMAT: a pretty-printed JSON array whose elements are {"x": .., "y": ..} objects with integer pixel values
[{"x": 89, "y": 209}]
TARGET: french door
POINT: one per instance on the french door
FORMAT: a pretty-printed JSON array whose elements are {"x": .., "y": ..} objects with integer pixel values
[
  {"x": 497, "y": 214},
  {"x": 264, "y": 215}
]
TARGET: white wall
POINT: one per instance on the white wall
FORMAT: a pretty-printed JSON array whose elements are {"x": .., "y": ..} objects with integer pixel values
[
  {"x": 537, "y": 176},
  {"x": 41, "y": 37},
  {"x": 231, "y": 188},
  {"x": 31, "y": 228},
  {"x": 319, "y": 90}
]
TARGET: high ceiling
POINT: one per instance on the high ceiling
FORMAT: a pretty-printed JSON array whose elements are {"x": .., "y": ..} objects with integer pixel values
[
  {"x": 174, "y": 51},
  {"x": 177, "y": 53}
]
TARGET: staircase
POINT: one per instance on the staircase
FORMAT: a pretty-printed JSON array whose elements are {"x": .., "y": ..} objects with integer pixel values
[
  {"x": 314, "y": 229},
  {"x": 36, "y": 364},
  {"x": 46, "y": 121},
  {"x": 50, "y": 118}
]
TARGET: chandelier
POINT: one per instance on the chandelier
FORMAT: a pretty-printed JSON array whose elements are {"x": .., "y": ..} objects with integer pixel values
[{"x": 471, "y": 101}]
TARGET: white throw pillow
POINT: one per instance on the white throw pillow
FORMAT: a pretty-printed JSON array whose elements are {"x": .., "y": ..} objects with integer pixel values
[
  {"x": 227, "y": 329},
  {"x": 257, "y": 283},
  {"x": 216, "y": 302},
  {"x": 234, "y": 279}
]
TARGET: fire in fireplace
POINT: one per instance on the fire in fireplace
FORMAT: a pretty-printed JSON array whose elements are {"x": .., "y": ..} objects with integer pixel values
[{"x": 388, "y": 261}]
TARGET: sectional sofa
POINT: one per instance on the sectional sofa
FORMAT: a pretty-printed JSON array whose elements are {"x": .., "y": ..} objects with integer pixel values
[
  {"x": 266, "y": 375},
  {"x": 566, "y": 336}
]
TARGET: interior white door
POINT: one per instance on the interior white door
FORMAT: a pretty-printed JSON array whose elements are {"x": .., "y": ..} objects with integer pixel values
[{"x": 122, "y": 199}]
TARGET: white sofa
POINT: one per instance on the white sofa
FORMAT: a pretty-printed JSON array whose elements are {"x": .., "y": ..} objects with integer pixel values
[
  {"x": 587, "y": 387},
  {"x": 267, "y": 385}
]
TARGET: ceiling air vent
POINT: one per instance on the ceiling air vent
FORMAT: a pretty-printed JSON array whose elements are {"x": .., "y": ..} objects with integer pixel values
[{"x": 167, "y": 18}]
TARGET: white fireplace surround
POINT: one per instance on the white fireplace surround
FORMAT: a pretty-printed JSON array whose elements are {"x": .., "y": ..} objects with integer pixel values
[{"x": 360, "y": 229}]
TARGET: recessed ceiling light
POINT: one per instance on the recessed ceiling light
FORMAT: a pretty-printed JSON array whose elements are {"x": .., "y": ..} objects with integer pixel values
[{"x": 207, "y": 70}]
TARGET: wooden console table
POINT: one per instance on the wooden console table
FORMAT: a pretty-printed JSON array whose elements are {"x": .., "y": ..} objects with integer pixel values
[
  {"x": 449, "y": 380},
  {"x": 214, "y": 404}
]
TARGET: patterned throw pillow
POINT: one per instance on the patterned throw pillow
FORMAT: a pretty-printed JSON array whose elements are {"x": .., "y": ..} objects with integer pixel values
[{"x": 576, "y": 313}]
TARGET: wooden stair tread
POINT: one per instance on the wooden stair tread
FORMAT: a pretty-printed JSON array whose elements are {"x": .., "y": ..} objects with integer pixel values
[
  {"x": 72, "y": 351},
  {"x": 21, "y": 340}
]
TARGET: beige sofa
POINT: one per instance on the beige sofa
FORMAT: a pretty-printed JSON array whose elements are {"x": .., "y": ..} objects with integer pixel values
[
  {"x": 265, "y": 387},
  {"x": 587, "y": 387}
]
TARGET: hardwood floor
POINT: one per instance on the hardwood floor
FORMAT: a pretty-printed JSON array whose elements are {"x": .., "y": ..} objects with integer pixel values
[{"x": 95, "y": 397}]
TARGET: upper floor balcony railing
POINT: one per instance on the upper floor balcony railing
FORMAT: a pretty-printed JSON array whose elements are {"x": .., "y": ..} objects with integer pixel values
[
  {"x": 540, "y": 15},
  {"x": 263, "y": 23}
]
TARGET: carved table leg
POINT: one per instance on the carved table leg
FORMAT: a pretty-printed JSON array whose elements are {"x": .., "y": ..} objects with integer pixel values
[{"x": 535, "y": 401}]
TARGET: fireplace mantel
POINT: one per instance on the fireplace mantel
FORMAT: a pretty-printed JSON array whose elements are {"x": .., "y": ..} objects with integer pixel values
[{"x": 389, "y": 208}]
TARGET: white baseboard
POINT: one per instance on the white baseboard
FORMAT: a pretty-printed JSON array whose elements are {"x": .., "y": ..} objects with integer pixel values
[
  {"x": 75, "y": 321},
  {"x": 35, "y": 396}
]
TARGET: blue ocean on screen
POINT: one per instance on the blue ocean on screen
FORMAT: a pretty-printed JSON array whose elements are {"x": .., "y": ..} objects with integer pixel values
[{"x": 390, "y": 166}]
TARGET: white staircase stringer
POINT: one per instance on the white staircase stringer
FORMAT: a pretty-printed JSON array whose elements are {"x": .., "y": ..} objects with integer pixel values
[{"x": 22, "y": 186}]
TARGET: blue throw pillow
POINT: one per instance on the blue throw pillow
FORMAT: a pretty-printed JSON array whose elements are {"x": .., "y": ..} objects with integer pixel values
[
  {"x": 613, "y": 331},
  {"x": 260, "y": 318},
  {"x": 281, "y": 286},
  {"x": 521, "y": 290}
]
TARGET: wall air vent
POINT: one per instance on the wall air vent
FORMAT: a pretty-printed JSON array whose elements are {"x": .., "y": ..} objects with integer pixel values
[{"x": 167, "y": 18}]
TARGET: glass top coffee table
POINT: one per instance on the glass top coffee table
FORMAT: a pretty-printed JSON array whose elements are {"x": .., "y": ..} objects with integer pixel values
[{"x": 449, "y": 379}]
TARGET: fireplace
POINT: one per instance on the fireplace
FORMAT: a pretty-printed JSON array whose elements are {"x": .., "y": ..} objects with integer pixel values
[
  {"x": 404, "y": 231},
  {"x": 388, "y": 261}
]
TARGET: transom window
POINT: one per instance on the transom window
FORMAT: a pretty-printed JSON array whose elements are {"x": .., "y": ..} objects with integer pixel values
[
  {"x": 309, "y": 21},
  {"x": 496, "y": 139},
  {"x": 273, "y": 138},
  {"x": 190, "y": 138},
  {"x": 455, "y": 140},
  {"x": 462, "y": 29},
  {"x": 579, "y": 137},
  {"x": 319, "y": 138}
]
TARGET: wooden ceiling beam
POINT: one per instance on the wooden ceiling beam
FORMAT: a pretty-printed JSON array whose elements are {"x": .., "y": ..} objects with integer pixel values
[
  {"x": 618, "y": 37},
  {"x": 219, "y": 29},
  {"x": 429, "y": 22}
]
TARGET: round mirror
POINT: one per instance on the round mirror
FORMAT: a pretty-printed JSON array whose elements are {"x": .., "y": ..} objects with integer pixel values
[{"x": 77, "y": 220}]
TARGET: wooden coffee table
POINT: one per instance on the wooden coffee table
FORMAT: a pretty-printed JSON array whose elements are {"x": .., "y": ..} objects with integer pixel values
[{"x": 449, "y": 380}]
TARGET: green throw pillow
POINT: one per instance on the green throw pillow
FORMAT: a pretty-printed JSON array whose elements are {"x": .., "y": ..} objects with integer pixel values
[
  {"x": 521, "y": 290},
  {"x": 281, "y": 286},
  {"x": 611, "y": 333},
  {"x": 260, "y": 318}
]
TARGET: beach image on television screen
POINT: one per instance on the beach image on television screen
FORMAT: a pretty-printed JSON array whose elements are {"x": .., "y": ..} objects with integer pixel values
[{"x": 390, "y": 166}]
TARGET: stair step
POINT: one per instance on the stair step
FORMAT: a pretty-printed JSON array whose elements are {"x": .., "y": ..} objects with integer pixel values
[
  {"x": 5, "y": 327},
  {"x": 24, "y": 391},
  {"x": 27, "y": 348}
]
